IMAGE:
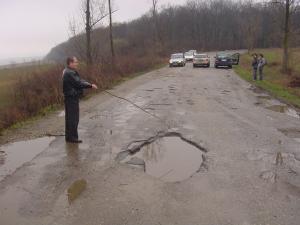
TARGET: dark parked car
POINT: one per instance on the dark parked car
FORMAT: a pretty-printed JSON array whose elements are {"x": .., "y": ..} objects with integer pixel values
[{"x": 223, "y": 59}]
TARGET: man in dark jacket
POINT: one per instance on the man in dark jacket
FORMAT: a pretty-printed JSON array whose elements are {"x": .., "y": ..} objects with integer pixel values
[
  {"x": 254, "y": 66},
  {"x": 73, "y": 87}
]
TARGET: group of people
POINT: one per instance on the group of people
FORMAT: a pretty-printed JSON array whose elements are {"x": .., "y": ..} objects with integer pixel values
[{"x": 258, "y": 64}]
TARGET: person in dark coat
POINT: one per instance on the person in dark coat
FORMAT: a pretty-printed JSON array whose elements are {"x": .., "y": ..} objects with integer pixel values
[
  {"x": 73, "y": 87},
  {"x": 254, "y": 66}
]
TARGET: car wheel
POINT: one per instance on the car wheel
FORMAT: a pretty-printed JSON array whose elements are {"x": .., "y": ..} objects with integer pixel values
[
  {"x": 216, "y": 66},
  {"x": 230, "y": 67},
  {"x": 208, "y": 65}
]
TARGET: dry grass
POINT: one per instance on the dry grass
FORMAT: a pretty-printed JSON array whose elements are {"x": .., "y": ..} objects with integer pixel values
[{"x": 29, "y": 91}]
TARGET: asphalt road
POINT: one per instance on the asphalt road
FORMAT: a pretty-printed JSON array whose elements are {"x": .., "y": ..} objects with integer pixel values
[{"x": 215, "y": 151}]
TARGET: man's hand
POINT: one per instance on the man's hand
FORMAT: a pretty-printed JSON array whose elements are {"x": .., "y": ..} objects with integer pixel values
[{"x": 94, "y": 86}]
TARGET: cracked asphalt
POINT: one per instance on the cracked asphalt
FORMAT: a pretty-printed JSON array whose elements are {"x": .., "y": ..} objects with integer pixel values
[{"x": 252, "y": 163}]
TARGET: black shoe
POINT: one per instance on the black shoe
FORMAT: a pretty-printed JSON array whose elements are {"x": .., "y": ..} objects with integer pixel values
[{"x": 74, "y": 141}]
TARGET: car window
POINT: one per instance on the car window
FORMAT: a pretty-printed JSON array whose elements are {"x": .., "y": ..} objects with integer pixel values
[
  {"x": 189, "y": 54},
  {"x": 177, "y": 56},
  {"x": 222, "y": 56},
  {"x": 201, "y": 56}
]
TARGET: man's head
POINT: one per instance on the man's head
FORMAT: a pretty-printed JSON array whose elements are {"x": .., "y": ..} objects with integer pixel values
[{"x": 72, "y": 62}]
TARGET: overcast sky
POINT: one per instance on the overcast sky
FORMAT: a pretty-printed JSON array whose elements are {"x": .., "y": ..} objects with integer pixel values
[{"x": 32, "y": 27}]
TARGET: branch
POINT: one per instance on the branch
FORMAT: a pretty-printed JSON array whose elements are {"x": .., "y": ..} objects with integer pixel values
[{"x": 101, "y": 18}]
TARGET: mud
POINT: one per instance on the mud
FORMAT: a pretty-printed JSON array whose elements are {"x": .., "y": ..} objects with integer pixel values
[{"x": 264, "y": 97}]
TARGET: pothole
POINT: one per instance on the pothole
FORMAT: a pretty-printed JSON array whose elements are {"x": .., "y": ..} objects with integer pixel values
[
  {"x": 291, "y": 133},
  {"x": 169, "y": 157},
  {"x": 284, "y": 109}
]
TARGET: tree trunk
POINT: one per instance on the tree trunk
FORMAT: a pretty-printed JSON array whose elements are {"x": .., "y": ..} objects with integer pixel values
[
  {"x": 285, "y": 61},
  {"x": 88, "y": 30},
  {"x": 111, "y": 35}
]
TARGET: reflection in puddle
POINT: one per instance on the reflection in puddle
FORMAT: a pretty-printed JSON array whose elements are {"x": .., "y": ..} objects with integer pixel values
[
  {"x": 169, "y": 158},
  {"x": 76, "y": 189},
  {"x": 284, "y": 109},
  {"x": 61, "y": 114},
  {"x": 14, "y": 155}
]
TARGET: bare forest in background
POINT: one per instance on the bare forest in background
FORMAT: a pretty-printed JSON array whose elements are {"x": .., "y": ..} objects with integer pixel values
[{"x": 200, "y": 24}]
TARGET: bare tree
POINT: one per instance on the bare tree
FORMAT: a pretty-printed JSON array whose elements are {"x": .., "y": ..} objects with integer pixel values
[
  {"x": 290, "y": 7},
  {"x": 93, "y": 12},
  {"x": 111, "y": 35},
  {"x": 155, "y": 20}
]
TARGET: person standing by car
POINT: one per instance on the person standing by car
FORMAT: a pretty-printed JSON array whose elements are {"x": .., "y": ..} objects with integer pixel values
[
  {"x": 73, "y": 87},
  {"x": 254, "y": 66},
  {"x": 261, "y": 64}
]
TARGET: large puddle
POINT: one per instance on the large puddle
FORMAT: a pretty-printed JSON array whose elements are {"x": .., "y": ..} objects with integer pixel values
[
  {"x": 13, "y": 156},
  {"x": 169, "y": 158}
]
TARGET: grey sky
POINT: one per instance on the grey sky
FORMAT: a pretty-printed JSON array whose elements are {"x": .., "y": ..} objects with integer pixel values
[{"x": 32, "y": 27}]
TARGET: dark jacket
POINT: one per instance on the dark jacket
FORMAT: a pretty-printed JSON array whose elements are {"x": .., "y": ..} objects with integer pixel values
[
  {"x": 72, "y": 84},
  {"x": 255, "y": 63}
]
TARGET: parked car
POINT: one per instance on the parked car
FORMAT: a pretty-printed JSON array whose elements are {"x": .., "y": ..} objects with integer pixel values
[
  {"x": 177, "y": 60},
  {"x": 223, "y": 59},
  {"x": 201, "y": 60},
  {"x": 189, "y": 56},
  {"x": 193, "y": 51},
  {"x": 235, "y": 58}
]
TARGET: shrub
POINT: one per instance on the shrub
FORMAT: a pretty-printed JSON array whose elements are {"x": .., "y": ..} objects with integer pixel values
[{"x": 36, "y": 89}]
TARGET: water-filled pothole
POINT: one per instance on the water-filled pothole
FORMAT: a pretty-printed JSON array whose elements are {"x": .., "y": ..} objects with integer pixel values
[
  {"x": 170, "y": 158},
  {"x": 13, "y": 156},
  {"x": 284, "y": 109}
]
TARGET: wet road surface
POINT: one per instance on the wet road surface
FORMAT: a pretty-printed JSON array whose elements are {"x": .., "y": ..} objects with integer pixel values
[{"x": 222, "y": 152}]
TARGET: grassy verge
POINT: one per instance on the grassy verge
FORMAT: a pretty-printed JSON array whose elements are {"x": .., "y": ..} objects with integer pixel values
[{"x": 275, "y": 82}]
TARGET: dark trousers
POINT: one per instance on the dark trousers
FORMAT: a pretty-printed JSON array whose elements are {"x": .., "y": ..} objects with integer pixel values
[
  {"x": 71, "y": 118},
  {"x": 261, "y": 75},
  {"x": 254, "y": 73}
]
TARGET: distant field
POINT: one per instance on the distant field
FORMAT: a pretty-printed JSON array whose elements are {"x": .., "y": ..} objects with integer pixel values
[
  {"x": 275, "y": 82},
  {"x": 9, "y": 76}
]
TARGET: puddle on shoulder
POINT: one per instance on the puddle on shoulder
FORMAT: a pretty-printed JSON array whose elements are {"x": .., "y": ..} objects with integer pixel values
[
  {"x": 13, "y": 156},
  {"x": 284, "y": 109}
]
